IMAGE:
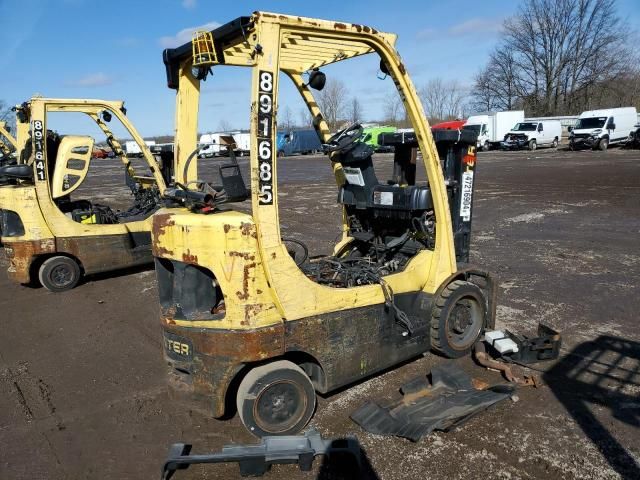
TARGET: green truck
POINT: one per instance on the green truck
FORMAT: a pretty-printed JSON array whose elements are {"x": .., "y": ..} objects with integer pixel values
[{"x": 370, "y": 137}]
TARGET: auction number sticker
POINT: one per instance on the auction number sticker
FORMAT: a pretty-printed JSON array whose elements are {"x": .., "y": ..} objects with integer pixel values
[
  {"x": 265, "y": 137},
  {"x": 466, "y": 195},
  {"x": 38, "y": 142}
]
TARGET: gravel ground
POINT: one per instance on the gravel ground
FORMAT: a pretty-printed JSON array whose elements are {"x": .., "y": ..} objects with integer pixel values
[{"x": 83, "y": 393}]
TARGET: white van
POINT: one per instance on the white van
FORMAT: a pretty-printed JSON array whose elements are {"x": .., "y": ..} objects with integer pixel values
[
  {"x": 533, "y": 134},
  {"x": 491, "y": 127},
  {"x": 601, "y": 128}
]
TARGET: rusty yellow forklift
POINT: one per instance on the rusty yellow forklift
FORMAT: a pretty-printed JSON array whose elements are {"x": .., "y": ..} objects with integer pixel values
[
  {"x": 243, "y": 320},
  {"x": 51, "y": 236}
]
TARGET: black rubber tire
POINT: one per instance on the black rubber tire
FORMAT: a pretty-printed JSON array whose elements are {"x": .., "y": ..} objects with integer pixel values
[
  {"x": 603, "y": 144},
  {"x": 458, "y": 294},
  {"x": 554, "y": 144},
  {"x": 486, "y": 146},
  {"x": 282, "y": 382},
  {"x": 533, "y": 145},
  {"x": 59, "y": 273}
]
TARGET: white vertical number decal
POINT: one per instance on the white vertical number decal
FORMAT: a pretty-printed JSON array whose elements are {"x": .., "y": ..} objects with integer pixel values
[
  {"x": 38, "y": 142},
  {"x": 265, "y": 137}
]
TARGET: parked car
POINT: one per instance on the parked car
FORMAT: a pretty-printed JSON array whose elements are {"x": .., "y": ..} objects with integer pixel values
[
  {"x": 634, "y": 137},
  {"x": 491, "y": 127},
  {"x": 598, "y": 129},
  {"x": 531, "y": 135}
]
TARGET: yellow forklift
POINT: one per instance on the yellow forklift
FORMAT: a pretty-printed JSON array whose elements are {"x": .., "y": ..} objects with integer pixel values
[
  {"x": 245, "y": 321},
  {"x": 49, "y": 235}
]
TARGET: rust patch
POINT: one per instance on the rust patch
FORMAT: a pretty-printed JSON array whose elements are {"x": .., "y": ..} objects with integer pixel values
[
  {"x": 226, "y": 227},
  {"x": 273, "y": 255},
  {"x": 218, "y": 357},
  {"x": 243, "y": 255},
  {"x": 23, "y": 254},
  {"x": 160, "y": 223},
  {"x": 358, "y": 27},
  {"x": 339, "y": 26},
  {"x": 244, "y": 295},
  {"x": 187, "y": 257},
  {"x": 258, "y": 291},
  {"x": 248, "y": 229},
  {"x": 402, "y": 69}
]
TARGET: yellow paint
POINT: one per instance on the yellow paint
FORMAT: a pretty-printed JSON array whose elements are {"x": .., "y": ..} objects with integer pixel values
[{"x": 278, "y": 290}]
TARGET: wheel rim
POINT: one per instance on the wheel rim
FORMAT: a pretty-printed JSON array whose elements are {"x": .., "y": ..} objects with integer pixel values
[
  {"x": 280, "y": 406},
  {"x": 61, "y": 275},
  {"x": 465, "y": 323}
]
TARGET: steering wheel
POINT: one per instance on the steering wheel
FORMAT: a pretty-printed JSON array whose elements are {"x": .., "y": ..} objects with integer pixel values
[{"x": 343, "y": 140}]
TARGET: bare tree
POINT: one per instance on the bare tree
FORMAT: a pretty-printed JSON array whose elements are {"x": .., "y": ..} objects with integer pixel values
[
  {"x": 355, "y": 112},
  {"x": 557, "y": 56},
  {"x": 285, "y": 119},
  {"x": 305, "y": 117},
  {"x": 332, "y": 100},
  {"x": 5, "y": 112},
  {"x": 224, "y": 126},
  {"x": 443, "y": 100},
  {"x": 496, "y": 86},
  {"x": 394, "y": 111}
]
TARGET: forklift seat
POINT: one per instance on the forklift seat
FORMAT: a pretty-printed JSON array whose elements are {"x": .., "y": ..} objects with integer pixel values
[
  {"x": 362, "y": 190},
  {"x": 20, "y": 172}
]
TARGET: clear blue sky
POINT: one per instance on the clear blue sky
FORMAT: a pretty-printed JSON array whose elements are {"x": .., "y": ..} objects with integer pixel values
[{"x": 113, "y": 49}]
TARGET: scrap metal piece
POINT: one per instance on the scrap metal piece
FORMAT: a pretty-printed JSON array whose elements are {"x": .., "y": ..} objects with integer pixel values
[
  {"x": 484, "y": 359},
  {"x": 255, "y": 460},
  {"x": 546, "y": 346},
  {"x": 449, "y": 401}
]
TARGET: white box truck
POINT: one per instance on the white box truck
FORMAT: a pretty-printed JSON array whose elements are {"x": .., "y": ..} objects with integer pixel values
[
  {"x": 243, "y": 143},
  {"x": 132, "y": 149},
  {"x": 491, "y": 127},
  {"x": 601, "y": 128},
  {"x": 533, "y": 134}
]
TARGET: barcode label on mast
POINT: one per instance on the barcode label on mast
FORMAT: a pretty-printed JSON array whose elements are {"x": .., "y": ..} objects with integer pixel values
[{"x": 466, "y": 196}]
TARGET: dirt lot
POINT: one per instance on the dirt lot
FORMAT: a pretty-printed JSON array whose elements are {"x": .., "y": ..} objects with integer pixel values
[{"x": 82, "y": 375}]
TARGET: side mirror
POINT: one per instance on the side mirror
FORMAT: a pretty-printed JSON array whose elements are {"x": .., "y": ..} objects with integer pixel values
[
  {"x": 317, "y": 80},
  {"x": 72, "y": 164},
  {"x": 569, "y": 129},
  {"x": 612, "y": 126}
]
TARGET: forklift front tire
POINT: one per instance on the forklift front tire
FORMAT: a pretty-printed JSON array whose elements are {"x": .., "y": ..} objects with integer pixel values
[
  {"x": 59, "y": 273},
  {"x": 457, "y": 319},
  {"x": 276, "y": 399}
]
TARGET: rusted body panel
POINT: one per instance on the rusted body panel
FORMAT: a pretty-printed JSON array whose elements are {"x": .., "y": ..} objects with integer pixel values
[
  {"x": 202, "y": 375},
  {"x": 22, "y": 253},
  {"x": 103, "y": 253}
]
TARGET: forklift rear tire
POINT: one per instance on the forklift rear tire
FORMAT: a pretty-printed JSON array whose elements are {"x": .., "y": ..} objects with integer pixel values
[
  {"x": 457, "y": 319},
  {"x": 276, "y": 399},
  {"x": 59, "y": 273}
]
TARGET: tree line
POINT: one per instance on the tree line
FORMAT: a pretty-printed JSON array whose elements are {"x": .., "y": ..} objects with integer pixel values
[{"x": 560, "y": 57}]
